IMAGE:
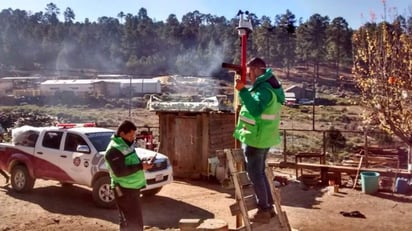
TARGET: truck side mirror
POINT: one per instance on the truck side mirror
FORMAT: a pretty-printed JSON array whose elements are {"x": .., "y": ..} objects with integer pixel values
[{"x": 83, "y": 149}]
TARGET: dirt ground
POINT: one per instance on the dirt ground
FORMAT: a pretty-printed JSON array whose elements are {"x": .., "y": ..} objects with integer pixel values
[{"x": 52, "y": 207}]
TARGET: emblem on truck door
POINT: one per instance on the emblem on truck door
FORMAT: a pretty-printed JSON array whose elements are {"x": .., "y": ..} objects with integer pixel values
[{"x": 76, "y": 161}]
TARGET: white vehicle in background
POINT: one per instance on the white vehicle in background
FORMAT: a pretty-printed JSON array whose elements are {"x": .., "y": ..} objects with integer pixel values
[{"x": 72, "y": 154}]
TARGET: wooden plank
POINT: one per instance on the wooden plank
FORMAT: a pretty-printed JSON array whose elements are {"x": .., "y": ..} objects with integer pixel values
[
  {"x": 188, "y": 224},
  {"x": 248, "y": 191},
  {"x": 204, "y": 143},
  {"x": 250, "y": 204},
  {"x": 281, "y": 215},
  {"x": 273, "y": 225},
  {"x": 238, "y": 156},
  {"x": 243, "y": 179},
  {"x": 382, "y": 158},
  {"x": 357, "y": 172},
  {"x": 348, "y": 169},
  {"x": 213, "y": 225}
]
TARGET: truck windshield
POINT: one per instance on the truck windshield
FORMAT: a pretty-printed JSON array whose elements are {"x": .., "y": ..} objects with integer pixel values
[{"x": 100, "y": 140}]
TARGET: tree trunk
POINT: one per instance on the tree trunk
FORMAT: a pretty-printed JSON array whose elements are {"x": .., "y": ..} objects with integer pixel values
[
  {"x": 410, "y": 157},
  {"x": 288, "y": 70}
]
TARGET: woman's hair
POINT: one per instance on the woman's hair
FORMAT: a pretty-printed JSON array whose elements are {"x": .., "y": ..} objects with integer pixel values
[
  {"x": 256, "y": 62},
  {"x": 126, "y": 126}
]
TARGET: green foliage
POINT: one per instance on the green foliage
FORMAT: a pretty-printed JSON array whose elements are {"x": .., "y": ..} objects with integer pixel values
[
  {"x": 338, "y": 42},
  {"x": 286, "y": 40},
  {"x": 196, "y": 45}
]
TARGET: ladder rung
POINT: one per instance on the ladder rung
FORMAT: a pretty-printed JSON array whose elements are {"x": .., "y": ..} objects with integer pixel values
[
  {"x": 238, "y": 155},
  {"x": 248, "y": 191},
  {"x": 243, "y": 178},
  {"x": 250, "y": 203}
]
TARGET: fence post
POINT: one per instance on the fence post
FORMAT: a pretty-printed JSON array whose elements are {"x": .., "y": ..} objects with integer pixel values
[
  {"x": 366, "y": 147},
  {"x": 324, "y": 147},
  {"x": 284, "y": 146}
]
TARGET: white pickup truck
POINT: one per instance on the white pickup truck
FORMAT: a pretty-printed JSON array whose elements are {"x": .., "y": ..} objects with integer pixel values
[{"x": 72, "y": 155}]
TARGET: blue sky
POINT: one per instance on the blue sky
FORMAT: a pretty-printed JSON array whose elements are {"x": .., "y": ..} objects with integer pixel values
[{"x": 356, "y": 12}]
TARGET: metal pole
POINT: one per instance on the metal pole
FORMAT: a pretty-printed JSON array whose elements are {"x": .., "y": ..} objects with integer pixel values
[
  {"x": 313, "y": 115},
  {"x": 130, "y": 97},
  {"x": 245, "y": 27},
  {"x": 314, "y": 98},
  {"x": 243, "y": 57}
]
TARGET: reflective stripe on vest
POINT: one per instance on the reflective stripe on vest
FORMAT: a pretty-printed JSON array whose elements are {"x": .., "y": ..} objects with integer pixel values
[
  {"x": 263, "y": 117},
  {"x": 127, "y": 151},
  {"x": 247, "y": 120},
  {"x": 269, "y": 116}
]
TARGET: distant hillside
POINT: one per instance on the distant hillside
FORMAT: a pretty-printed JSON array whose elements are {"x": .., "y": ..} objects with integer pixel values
[{"x": 328, "y": 81}]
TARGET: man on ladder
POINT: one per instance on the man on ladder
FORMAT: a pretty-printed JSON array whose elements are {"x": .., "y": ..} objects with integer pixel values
[{"x": 258, "y": 129}]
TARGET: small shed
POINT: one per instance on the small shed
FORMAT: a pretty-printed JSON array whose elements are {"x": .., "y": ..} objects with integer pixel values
[
  {"x": 190, "y": 137},
  {"x": 300, "y": 91}
]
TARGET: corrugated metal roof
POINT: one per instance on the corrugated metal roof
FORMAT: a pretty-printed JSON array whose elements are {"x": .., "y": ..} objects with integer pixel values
[
  {"x": 21, "y": 78},
  {"x": 89, "y": 81},
  {"x": 68, "y": 81}
]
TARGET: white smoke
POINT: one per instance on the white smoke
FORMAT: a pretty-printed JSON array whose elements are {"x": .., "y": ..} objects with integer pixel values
[{"x": 195, "y": 62}]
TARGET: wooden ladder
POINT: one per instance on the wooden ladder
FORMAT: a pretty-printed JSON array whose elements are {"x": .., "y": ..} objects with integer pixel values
[{"x": 245, "y": 196}]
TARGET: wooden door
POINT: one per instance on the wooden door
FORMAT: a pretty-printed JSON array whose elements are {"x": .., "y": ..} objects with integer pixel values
[{"x": 187, "y": 159}]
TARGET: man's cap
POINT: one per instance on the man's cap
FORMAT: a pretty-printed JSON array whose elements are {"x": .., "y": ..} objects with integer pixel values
[{"x": 256, "y": 62}]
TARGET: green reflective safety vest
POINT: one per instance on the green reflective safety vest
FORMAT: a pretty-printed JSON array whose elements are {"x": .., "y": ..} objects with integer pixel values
[
  {"x": 135, "y": 180},
  {"x": 261, "y": 131}
]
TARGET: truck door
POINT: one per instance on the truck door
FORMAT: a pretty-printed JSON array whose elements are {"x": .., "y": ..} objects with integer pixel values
[
  {"x": 78, "y": 162},
  {"x": 49, "y": 161}
]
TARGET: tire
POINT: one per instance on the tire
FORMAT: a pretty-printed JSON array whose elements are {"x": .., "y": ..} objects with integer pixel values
[
  {"x": 21, "y": 181},
  {"x": 151, "y": 192},
  {"x": 102, "y": 193}
]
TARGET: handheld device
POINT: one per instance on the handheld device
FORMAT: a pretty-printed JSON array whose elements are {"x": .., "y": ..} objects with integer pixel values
[{"x": 152, "y": 160}]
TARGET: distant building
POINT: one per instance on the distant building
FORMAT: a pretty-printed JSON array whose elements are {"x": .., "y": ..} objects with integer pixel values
[
  {"x": 76, "y": 86},
  {"x": 300, "y": 92},
  {"x": 20, "y": 86},
  {"x": 107, "y": 87},
  {"x": 139, "y": 86},
  {"x": 5, "y": 87}
]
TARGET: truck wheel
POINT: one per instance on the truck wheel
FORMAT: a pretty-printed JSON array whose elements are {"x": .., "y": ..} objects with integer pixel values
[
  {"x": 103, "y": 195},
  {"x": 151, "y": 192},
  {"x": 21, "y": 181}
]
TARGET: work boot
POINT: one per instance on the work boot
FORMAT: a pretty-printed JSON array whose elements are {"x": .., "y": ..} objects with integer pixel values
[
  {"x": 272, "y": 213},
  {"x": 261, "y": 216}
]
